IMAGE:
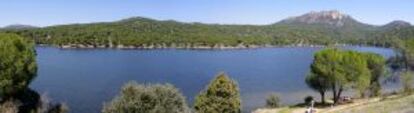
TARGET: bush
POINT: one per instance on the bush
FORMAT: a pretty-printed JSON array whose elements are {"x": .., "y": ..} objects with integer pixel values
[
  {"x": 59, "y": 108},
  {"x": 308, "y": 100},
  {"x": 136, "y": 98},
  {"x": 32, "y": 104},
  {"x": 9, "y": 107},
  {"x": 17, "y": 64},
  {"x": 221, "y": 96},
  {"x": 273, "y": 101},
  {"x": 407, "y": 81}
]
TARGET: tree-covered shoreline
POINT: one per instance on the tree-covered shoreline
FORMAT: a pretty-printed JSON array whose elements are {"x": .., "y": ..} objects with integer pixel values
[{"x": 145, "y": 33}]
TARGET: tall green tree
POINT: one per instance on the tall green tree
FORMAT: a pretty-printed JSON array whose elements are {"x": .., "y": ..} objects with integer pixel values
[
  {"x": 376, "y": 65},
  {"x": 357, "y": 71},
  {"x": 327, "y": 64},
  {"x": 339, "y": 70},
  {"x": 221, "y": 96},
  {"x": 17, "y": 64},
  {"x": 409, "y": 53},
  {"x": 405, "y": 55}
]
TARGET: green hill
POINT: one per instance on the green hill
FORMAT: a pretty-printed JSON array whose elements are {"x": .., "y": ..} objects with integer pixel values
[{"x": 315, "y": 28}]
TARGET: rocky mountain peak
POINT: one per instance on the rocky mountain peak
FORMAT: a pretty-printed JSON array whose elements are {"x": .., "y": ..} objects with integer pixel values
[{"x": 332, "y": 17}]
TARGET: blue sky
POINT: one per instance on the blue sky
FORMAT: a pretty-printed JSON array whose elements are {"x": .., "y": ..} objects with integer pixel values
[{"x": 52, "y": 12}]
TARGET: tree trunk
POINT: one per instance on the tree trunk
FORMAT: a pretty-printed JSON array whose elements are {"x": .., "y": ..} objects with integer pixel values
[
  {"x": 334, "y": 93},
  {"x": 322, "y": 97},
  {"x": 338, "y": 95}
]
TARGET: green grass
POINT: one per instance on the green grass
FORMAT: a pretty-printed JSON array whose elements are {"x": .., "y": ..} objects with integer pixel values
[
  {"x": 285, "y": 110},
  {"x": 393, "y": 105}
]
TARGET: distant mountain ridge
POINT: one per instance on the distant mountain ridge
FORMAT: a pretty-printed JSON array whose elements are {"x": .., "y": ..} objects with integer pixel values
[
  {"x": 328, "y": 17},
  {"x": 19, "y": 26},
  {"x": 397, "y": 24}
]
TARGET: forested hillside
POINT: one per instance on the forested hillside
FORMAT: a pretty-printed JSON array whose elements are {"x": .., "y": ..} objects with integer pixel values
[{"x": 315, "y": 28}]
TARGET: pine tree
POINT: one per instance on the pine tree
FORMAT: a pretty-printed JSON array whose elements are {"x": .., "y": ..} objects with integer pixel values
[
  {"x": 17, "y": 64},
  {"x": 221, "y": 96}
]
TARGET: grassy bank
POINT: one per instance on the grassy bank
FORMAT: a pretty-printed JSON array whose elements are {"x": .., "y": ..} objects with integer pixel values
[
  {"x": 404, "y": 104},
  {"x": 391, "y": 104}
]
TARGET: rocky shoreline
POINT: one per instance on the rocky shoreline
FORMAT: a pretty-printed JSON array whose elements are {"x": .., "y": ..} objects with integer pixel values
[
  {"x": 188, "y": 46},
  {"x": 182, "y": 46}
]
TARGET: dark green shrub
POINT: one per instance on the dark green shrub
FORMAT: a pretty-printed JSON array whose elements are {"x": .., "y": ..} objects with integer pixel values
[
  {"x": 308, "y": 100},
  {"x": 273, "y": 101},
  {"x": 136, "y": 98},
  {"x": 221, "y": 96},
  {"x": 59, "y": 108}
]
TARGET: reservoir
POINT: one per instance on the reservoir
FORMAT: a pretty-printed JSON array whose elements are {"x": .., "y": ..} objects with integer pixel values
[{"x": 87, "y": 78}]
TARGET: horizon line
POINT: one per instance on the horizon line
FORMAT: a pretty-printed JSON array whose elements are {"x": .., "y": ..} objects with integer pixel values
[{"x": 193, "y": 22}]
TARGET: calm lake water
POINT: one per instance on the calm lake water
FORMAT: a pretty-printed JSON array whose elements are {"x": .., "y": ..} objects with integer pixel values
[{"x": 86, "y": 78}]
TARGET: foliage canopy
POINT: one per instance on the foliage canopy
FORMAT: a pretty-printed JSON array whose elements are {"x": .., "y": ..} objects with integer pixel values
[
  {"x": 17, "y": 64},
  {"x": 221, "y": 96},
  {"x": 136, "y": 98}
]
